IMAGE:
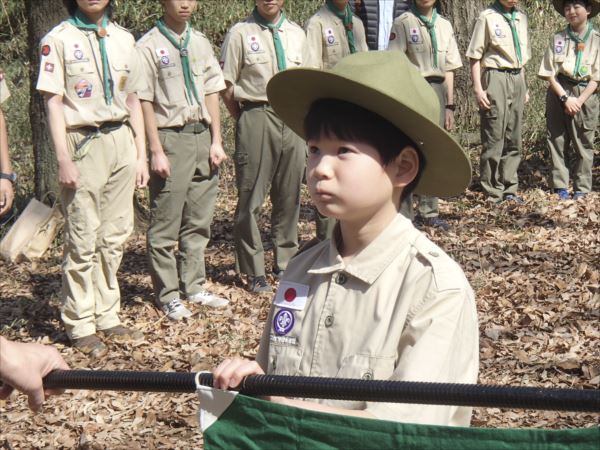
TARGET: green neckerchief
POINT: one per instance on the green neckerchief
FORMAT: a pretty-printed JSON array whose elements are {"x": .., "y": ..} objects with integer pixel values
[
  {"x": 430, "y": 24},
  {"x": 279, "y": 52},
  {"x": 190, "y": 86},
  {"x": 511, "y": 18},
  {"x": 580, "y": 41},
  {"x": 346, "y": 17},
  {"x": 80, "y": 21}
]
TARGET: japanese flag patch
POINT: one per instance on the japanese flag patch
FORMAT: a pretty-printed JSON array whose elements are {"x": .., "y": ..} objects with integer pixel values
[
  {"x": 559, "y": 44},
  {"x": 415, "y": 35},
  {"x": 291, "y": 295}
]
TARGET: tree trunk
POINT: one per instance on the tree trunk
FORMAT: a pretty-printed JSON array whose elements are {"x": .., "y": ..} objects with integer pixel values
[
  {"x": 42, "y": 16},
  {"x": 462, "y": 15}
]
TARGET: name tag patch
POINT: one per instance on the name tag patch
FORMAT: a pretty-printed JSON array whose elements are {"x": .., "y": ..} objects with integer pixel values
[
  {"x": 283, "y": 322},
  {"x": 291, "y": 295},
  {"x": 283, "y": 340}
]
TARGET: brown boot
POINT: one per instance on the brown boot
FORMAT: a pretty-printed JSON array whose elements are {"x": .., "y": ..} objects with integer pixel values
[
  {"x": 121, "y": 334},
  {"x": 91, "y": 346}
]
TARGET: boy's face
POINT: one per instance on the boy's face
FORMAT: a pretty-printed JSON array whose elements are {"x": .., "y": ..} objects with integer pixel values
[
  {"x": 425, "y": 4},
  {"x": 509, "y": 4},
  {"x": 179, "y": 11},
  {"x": 347, "y": 180},
  {"x": 576, "y": 13},
  {"x": 269, "y": 9}
]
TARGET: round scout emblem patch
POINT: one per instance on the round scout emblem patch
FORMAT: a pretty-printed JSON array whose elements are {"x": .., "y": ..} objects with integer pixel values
[
  {"x": 330, "y": 39},
  {"x": 83, "y": 89},
  {"x": 290, "y": 295},
  {"x": 164, "y": 60},
  {"x": 254, "y": 46},
  {"x": 283, "y": 322},
  {"x": 498, "y": 31},
  {"x": 558, "y": 49},
  {"x": 46, "y": 50},
  {"x": 78, "y": 54}
]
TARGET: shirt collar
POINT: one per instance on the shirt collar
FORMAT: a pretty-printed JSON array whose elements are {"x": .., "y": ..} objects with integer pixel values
[{"x": 396, "y": 238}]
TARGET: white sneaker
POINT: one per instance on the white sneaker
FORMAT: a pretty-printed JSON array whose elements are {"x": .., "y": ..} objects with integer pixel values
[
  {"x": 175, "y": 310},
  {"x": 206, "y": 298}
]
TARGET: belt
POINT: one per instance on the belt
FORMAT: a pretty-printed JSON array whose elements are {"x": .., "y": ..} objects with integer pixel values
[
  {"x": 507, "y": 70},
  {"x": 571, "y": 81},
  {"x": 191, "y": 128},
  {"x": 106, "y": 127},
  {"x": 251, "y": 105},
  {"x": 435, "y": 79}
]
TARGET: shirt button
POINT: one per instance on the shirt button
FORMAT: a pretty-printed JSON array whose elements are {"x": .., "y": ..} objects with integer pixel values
[
  {"x": 434, "y": 254},
  {"x": 367, "y": 376},
  {"x": 341, "y": 278},
  {"x": 328, "y": 321}
]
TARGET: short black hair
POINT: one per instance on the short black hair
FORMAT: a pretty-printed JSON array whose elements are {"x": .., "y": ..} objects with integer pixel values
[
  {"x": 348, "y": 121},
  {"x": 584, "y": 3},
  {"x": 71, "y": 6}
]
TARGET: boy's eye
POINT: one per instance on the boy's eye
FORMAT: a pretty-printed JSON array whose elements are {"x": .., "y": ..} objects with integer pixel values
[
  {"x": 313, "y": 150},
  {"x": 344, "y": 150}
]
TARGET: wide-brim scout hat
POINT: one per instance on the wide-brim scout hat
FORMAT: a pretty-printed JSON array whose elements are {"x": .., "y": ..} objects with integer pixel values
[
  {"x": 559, "y": 6},
  {"x": 388, "y": 84}
]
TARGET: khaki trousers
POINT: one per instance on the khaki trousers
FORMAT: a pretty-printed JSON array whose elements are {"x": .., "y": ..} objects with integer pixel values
[
  {"x": 501, "y": 133},
  {"x": 563, "y": 130},
  {"x": 99, "y": 218},
  {"x": 181, "y": 212},
  {"x": 427, "y": 206},
  {"x": 269, "y": 158}
]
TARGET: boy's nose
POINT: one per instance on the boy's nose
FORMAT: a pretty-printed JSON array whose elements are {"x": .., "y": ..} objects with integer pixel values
[{"x": 322, "y": 167}]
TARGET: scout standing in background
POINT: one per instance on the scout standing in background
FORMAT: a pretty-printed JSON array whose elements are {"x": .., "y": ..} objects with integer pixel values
[
  {"x": 332, "y": 33},
  {"x": 428, "y": 41},
  {"x": 571, "y": 65},
  {"x": 89, "y": 76},
  {"x": 7, "y": 176},
  {"x": 181, "y": 112},
  {"x": 267, "y": 153},
  {"x": 498, "y": 52}
]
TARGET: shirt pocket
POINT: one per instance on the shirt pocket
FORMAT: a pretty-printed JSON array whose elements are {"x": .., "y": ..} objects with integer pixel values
[
  {"x": 284, "y": 360},
  {"x": 198, "y": 71},
  {"x": 171, "y": 84},
  {"x": 121, "y": 72},
  {"x": 256, "y": 58},
  {"x": 294, "y": 58}
]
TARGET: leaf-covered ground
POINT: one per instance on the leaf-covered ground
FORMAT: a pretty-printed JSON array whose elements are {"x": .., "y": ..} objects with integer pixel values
[{"x": 535, "y": 269}]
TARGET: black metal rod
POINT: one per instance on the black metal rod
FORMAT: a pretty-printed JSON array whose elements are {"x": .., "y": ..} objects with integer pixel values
[{"x": 339, "y": 389}]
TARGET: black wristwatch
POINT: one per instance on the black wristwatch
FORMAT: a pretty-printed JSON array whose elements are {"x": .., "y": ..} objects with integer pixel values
[
  {"x": 563, "y": 98},
  {"x": 12, "y": 177},
  {"x": 451, "y": 107}
]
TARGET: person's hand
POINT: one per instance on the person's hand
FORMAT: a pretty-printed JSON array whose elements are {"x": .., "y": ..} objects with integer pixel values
[
  {"x": 527, "y": 97},
  {"x": 449, "y": 120},
  {"x": 24, "y": 365},
  {"x": 482, "y": 99},
  {"x": 231, "y": 372},
  {"x": 7, "y": 196},
  {"x": 141, "y": 173},
  {"x": 160, "y": 165},
  {"x": 572, "y": 106},
  {"x": 68, "y": 174},
  {"x": 217, "y": 155}
]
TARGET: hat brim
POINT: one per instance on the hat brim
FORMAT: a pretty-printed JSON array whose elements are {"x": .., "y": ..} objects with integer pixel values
[
  {"x": 447, "y": 170},
  {"x": 560, "y": 8}
]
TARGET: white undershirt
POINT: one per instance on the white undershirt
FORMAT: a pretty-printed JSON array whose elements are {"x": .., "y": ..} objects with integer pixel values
[{"x": 386, "y": 19}]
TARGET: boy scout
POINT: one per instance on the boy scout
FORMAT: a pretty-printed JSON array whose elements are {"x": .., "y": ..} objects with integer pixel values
[
  {"x": 89, "y": 78},
  {"x": 428, "y": 41},
  {"x": 181, "y": 112},
  {"x": 379, "y": 300},
  {"x": 571, "y": 65},
  {"x": 267, "y": 152},
  {"x": 498, "y": 52},
  {"x": 7, "y": 176}
]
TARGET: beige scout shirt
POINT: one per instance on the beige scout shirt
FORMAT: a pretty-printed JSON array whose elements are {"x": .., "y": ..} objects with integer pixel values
[
  {"x": 71, "y": 66},
  {"x": 561, "y": 54},
  {"x": 248, "y": 56},
  {"x": 4, "y": 92},
  {"x": 410, "y": 35},
  {"x": 328, "y": 41},
  {"x": 492, "y": 41},
  {"x": 164, "y": 81},
  {"x": 399, "y": 310}
]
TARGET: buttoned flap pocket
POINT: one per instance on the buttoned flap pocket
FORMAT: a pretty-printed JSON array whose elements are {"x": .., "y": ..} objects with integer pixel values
[
  {"x": 559, "y": 58},
  {"x": 256, "y": 58},
  {"x": 491, "y": 113},
  {"x": 284, "y": 356},
  {"x": 416, "y": 48},
  {"x": 120, "y": 65},
  {"x": 294, "y": 58},
  {"x": 366, "y": 367},
  {"x": 76, "y": 69}
]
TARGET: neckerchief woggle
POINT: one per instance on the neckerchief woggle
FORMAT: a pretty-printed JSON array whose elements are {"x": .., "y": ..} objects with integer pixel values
[
  {"x": 274, "y": 28},
  {"x": 580, "y": 41},
  {"x": 430, "y": 24},
  {"x": 346, "y": 17},
  {"x": 192, "y": 92},
  {"x": 510, "y": 19},
  {"x": 80, "y": 21}
]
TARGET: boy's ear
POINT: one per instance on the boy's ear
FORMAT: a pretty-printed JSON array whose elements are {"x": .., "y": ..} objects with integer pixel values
[{"x": 405, "y": 167}]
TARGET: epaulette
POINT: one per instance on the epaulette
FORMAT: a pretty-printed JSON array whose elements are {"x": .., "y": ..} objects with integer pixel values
[{"x": 308, "y": 245}]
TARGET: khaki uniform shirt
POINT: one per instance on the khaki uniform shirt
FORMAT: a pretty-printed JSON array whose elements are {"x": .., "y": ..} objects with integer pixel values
[
  {"x": 399, "y": 310},
  {"x": 492, "y": 41},
  {"x": 71, "y": 66},
  {"x": 248, "y": 56},
  {"x": 4, "y": 92},
  {"x": 561, "y": 55},
  {"x": 328, "y": 41},
  {"x": 164, "y": 81},
  {"x": 410, "y": 36}
]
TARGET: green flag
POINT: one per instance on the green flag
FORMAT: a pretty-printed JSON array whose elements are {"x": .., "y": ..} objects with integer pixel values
[{"x": 230, "y": 420}]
